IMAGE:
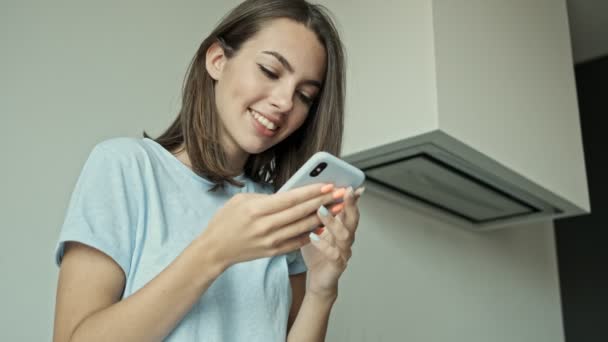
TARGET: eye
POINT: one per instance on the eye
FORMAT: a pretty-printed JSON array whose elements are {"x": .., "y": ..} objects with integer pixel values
[
  {"x": 271, "y": 75},
  {"x": 305, "y": 98}
]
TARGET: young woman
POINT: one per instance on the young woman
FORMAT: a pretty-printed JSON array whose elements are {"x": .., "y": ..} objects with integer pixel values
[{"x": 182, "y": 238}]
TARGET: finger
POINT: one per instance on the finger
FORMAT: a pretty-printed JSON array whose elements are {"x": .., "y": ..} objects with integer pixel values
[
  {"x": 280, "y": 219},
  {"x": 343, "y": 246},
  {"x": 342, "y": 213},
  {"x": 327, "y": 235},
  {"x": 332, "y": 253},
  {"x": 303, "y": 226},
  {"x": 342, "y": 237},
  {"x": 336, "y": 209},
  {"x": 358, "y": 193},
  {"x": 322, "y": 232},
  {"x": 283, "y": 200},
  {"x": 349, "y": 215},
  {"x": 290, "y": 245}
]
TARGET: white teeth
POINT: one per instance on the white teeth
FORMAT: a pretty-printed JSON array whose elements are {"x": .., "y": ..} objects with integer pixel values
[{"x": 270, "y": 125}]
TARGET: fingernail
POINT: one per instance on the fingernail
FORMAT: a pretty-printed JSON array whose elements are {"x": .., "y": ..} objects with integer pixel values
[
  {"x": 360, "y": 191},
  {"x": 327, "y": 188},
  {"x": 313, "y": 237},
  {"x": 349, "y": 192},
  {"x": 339, "y": 193},
  {"x": 323, "y": 211},
  {"x": 337, "y": 208},
  {"x": 319, "y": 230}
]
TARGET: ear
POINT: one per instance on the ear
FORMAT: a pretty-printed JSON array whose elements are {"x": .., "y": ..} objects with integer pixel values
[{"x": 215, "y": 59}]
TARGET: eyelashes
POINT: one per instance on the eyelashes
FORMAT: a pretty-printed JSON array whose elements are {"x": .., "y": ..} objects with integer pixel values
[
  {"x": 273, "y": 76},
  {"x": 307, "y": 100}
]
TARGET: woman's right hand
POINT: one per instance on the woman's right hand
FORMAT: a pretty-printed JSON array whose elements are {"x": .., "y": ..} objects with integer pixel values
[{"x": 251, "y": 226}]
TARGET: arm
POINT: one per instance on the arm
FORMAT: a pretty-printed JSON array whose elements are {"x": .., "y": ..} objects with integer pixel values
[
  {"x": 247, "y": 227},
  {"x": 90, "y": 285},
  {"x": 298, "y": 289},
  {"x": 309, "y": 314},
  {"x": 326, "y": 261}
]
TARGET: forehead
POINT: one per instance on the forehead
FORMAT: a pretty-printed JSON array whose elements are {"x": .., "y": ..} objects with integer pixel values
[{"x": 297, "y": 43}]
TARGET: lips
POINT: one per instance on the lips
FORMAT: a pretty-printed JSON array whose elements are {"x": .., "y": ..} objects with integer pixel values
[
  {"x": 275, "y": 121},
  {"x": 260, "y": 127}
]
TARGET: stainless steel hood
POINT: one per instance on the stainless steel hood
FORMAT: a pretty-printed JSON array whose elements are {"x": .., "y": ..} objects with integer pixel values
[{"x": 443, "y": 176}]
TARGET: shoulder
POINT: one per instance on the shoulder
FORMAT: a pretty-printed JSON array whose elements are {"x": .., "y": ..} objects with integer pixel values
[
  {"x": 122, "y": 146},
  {"x": 122, "y": 150},
  {"x": 114, "y": 173},
  {"x": 118, "y": 158}
]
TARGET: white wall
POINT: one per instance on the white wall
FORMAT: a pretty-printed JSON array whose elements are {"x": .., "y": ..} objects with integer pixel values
[
  {"x": 417, "y": 279},
  {"x": 72, "y": 74}
]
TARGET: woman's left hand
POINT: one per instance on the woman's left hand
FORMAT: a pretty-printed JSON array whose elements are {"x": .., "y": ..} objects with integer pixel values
[{"x": 327, "y": 258}]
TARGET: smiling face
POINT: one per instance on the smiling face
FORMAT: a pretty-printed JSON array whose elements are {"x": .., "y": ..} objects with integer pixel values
[{"x": 264, "y": 92}]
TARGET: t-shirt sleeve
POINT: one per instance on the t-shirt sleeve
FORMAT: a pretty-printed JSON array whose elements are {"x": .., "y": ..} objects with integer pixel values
[
  {"x": 102, "y": 210},
  {"x": 295, "y": 263}
]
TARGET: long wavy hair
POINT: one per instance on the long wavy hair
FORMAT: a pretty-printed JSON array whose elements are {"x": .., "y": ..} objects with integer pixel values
[{"x": 196, "y": 127}]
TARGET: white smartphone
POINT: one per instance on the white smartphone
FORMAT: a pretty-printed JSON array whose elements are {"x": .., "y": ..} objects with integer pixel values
[{"x": 324, "y": 167}]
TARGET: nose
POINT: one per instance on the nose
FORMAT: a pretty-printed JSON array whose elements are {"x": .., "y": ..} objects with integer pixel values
[{"x": 282, "y": 98}]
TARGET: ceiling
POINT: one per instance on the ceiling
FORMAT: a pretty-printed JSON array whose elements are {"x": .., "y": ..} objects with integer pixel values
[{"x": 588, "y": 29}]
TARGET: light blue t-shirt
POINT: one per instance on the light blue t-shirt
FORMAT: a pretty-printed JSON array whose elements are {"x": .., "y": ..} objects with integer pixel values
[{"x": 141, "y": 206}]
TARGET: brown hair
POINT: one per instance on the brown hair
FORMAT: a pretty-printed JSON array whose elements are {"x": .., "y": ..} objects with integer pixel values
[{"x": 197, "y": 125}]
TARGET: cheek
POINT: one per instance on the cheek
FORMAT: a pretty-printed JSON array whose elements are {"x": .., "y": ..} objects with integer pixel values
[{"x": 246, "y": 88}]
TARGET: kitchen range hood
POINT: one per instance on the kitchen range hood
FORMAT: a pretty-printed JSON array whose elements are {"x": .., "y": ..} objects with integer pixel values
[
  {"x": 466, "y": 110},
  {"x": 440, "y": 175}
]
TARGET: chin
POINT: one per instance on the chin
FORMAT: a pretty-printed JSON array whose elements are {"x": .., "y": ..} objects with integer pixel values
[
  {"x": 255, "y": 148},
  {"x": 255, "y": 145}
]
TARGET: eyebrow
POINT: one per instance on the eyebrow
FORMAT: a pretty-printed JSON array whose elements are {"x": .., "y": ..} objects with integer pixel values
[{"x": 289, "y": 68}]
